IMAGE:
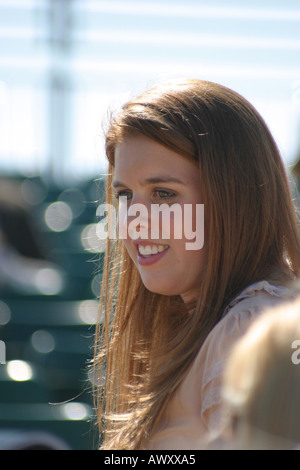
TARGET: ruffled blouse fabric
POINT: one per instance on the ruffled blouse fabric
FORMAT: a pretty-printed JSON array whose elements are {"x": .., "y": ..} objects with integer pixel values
[{"x": 193, "y": 411}]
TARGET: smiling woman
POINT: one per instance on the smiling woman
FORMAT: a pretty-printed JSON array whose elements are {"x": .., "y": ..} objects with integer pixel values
[
  {"x": 172, "y": 315},
  {"x": 165, "y": 266}
]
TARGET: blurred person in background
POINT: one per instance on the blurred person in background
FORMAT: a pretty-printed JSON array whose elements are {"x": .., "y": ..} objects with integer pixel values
[
  {"x": 262, "y": 384},
  {"x": 172, "y": 315},
  {"x": 24, "y": 267}
]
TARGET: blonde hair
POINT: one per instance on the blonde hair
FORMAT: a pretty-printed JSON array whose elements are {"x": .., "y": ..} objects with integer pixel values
[
  {"x": 262, "y": 382},
  {"x": 148, "y": 341}
]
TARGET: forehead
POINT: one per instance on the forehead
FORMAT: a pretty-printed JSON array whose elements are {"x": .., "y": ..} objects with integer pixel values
[{"x": 145, "y": 157}]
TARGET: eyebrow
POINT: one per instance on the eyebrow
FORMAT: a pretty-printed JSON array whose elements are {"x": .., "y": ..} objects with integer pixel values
[{"x": 152, "y": 180}]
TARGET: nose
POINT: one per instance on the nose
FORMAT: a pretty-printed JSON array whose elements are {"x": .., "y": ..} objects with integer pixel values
[
  {"x": 138, "y": 221},
  {"x": 136, "y": 217}
]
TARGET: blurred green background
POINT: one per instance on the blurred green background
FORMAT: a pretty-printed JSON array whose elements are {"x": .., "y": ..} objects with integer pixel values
[{"x": 50, "y": 274}]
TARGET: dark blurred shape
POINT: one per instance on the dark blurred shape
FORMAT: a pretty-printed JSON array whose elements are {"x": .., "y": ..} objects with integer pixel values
[
  {"x": 11, "y": 439},
  {"x": 16, "y": 223},
  {"x": 24, "y": 266}
]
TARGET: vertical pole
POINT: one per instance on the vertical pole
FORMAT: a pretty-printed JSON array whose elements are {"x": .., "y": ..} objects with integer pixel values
[{"x": 59, "y": 87}]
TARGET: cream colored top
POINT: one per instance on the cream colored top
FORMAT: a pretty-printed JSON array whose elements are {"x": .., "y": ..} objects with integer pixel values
[{"x": 194, "y": 409}]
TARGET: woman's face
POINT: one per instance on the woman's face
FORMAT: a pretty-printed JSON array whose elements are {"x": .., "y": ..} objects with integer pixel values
[{"x": 161, "y": 216}]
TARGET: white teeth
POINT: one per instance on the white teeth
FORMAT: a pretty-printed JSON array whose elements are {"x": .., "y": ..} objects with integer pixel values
[
  {"x": 149, "y": 250},
  {"x": 162, "y": 247}
]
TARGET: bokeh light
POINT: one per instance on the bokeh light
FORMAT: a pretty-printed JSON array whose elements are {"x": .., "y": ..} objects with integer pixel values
[
  {"x": 75, "y": 411},
  {"x": 90, "y": 240},
  {"x": 58, "y": 216},
  {"x": 88, "y": 311},
  {"x": 96, "y": 285},
  {"x": 43, "y": 341},
  {"x": 5, "y": 313},
  {"x": 48, "y": 281},
  {"x": 19, "y": 370}
]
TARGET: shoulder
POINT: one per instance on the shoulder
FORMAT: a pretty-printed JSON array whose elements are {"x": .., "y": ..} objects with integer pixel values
[
  {"x": 246, "y": 307},
  {"x": 256, "y": 298},
  {"x": 241, "y": 312}
]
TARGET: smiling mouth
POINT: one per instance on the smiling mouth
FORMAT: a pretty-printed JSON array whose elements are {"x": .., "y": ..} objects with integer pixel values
[{"x": 149, "y": 250}]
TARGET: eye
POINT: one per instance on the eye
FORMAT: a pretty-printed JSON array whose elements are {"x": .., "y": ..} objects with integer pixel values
[
  {"x": 163, "y": 194},
  {"x": 123, "y": 193}
]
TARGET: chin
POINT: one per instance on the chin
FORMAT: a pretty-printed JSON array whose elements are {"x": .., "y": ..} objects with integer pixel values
[{"x": 160, "y": 288}]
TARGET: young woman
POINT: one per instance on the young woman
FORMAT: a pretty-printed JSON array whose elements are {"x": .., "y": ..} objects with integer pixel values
[{"x": 172, "y": 311}]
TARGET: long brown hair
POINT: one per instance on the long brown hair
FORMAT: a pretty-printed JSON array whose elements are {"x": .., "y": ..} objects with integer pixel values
[{"x": 148, "y": 341}]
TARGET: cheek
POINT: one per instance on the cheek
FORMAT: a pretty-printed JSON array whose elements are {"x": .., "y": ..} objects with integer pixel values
[
  {"x": 194, "y": 229},
  {"x": 122, "y": 221},
  {"x": 168, "y": 223},
  {"x": 190, "y": 262},
  {"x": 129, "y": 248},
  {"x": 122, "y": 230}
]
